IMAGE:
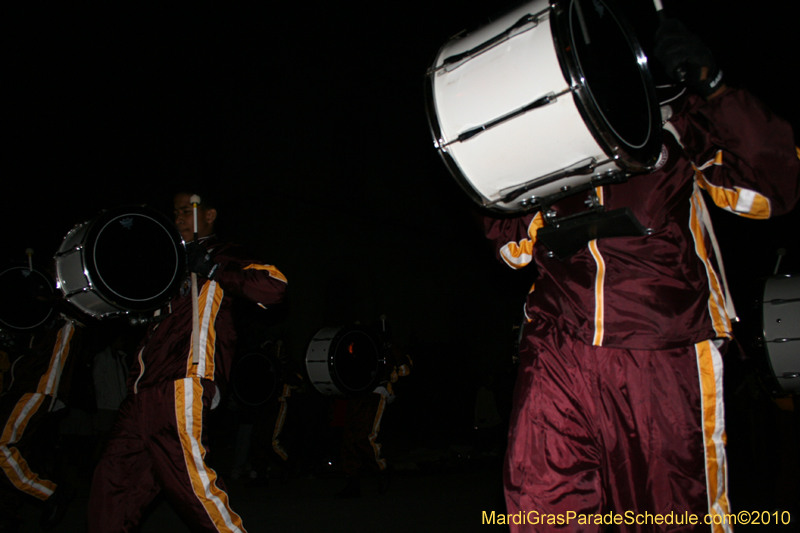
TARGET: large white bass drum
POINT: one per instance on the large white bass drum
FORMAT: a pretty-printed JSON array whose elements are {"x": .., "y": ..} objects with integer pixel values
[
  {"x": 550, "y": 96},
  {"x": 781, "y": 331},
  {"x": 127, "y": 259},
  {"x": 346, "y": 361}
]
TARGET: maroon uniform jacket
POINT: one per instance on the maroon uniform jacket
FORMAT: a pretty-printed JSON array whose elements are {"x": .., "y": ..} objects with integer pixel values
[
  {"x": 165, "y": 354},
  {"x": 158, "y": 443},
  {"x": 662, "y": 290}
]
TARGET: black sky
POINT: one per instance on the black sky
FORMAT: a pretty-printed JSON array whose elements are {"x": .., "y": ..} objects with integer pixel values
[{"x": 310, "y": 118}]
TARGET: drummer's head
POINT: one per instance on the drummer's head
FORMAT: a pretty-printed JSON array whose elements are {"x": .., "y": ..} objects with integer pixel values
[{"x": 184, "y": 217}]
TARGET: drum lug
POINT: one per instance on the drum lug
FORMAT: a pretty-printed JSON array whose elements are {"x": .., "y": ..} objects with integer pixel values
[
  {"x": 526, "y": 23},
  {"x": 581, "y": 168},
  {"x": 782, "y": 340},
  {"x": 547, "y": 99},
  {"x": 76, "y": 248},
  {"x": 82, "y": 290}
]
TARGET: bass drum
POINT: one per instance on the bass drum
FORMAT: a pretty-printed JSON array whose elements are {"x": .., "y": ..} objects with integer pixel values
[
  {"x": 549, "y": 97},
  {"x": 780, "y": 313},
  {"x": 255, "y": 379},
  {"x": 127, "y": 259},
  {"x": 345, "y": 361},
  {"x": 26, "y": 304}
]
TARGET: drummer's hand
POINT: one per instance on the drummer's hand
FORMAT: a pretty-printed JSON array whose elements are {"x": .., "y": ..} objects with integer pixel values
[
  {"x": 199, "y": 260},
  {"x": 721, "y": 88},
  {"x": 687, "y": 59}
]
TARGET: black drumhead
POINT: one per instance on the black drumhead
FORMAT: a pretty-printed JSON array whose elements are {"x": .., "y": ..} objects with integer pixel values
[
  {"x": 255, "y": 379},
  {"x": 355, "y": 360},
  {"x": 24, "y": 306},
  {"x": 136, "y": 258},
  {"x": 616, "y": 95}
]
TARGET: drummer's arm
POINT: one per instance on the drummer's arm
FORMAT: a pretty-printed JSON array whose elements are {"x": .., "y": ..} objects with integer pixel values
[
  {"x": 514, "y": 237},
  {"x": 722, "y": 88},
  {"x": 402, "y": 363},
  {"x": 749, "y": 164},
  {"x": 256, "y": 281}
]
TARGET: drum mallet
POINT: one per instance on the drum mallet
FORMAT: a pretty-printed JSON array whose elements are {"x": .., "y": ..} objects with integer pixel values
[
  {"x": 195, "y": 201},
  {"x": 781, "y": 252},
  {"x": 659, "y": 10}
]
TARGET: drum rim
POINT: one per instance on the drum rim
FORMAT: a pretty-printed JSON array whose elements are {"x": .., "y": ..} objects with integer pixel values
[
  {"x": 629, "y": 159},
  {"x": 51, "y": 284},
  {"x": 98, "y": 287},
  {"x": 278, "y": 381},
  {"x": 377, "y": 344}
]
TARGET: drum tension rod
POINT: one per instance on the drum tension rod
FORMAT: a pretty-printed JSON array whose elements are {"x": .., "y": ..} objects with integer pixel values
[
  {"x": 779, "y": 301},
  {"x": 540, "y": 102},
  {"x": 581, "y": 168},
  {"x": 532, "y": 19}
]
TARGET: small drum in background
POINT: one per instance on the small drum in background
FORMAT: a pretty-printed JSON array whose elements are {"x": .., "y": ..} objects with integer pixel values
[
  {"x": 781, "y": 330},
  {"x": 345, "y": 361},
  {"x": 127, "y": 259},
  {"x": 255, "y": 379},
  {"x": 552, "y": 95},
  {"x": 26, "y": 303}
]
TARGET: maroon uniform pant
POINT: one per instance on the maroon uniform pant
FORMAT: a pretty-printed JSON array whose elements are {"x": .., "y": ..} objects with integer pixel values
[
  {"x": 158, "y": 444},
  {"x": 603, "y": 435},
  {"x": 360, "y": 449}
]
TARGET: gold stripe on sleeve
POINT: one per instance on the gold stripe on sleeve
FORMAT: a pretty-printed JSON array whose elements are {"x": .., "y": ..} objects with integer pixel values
[{"x": 273, "y": 272}]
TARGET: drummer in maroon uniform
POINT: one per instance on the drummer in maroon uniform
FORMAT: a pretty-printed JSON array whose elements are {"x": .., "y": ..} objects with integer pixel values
[
  {"x": 618, "y": 408},
  {"x": 37, "y": 384},
  {"x": 360, "y": 450},
  {"x": 158, "y": 442}
]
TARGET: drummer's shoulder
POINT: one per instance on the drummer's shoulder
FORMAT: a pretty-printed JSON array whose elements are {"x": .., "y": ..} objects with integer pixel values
[
  {"x": 729, "y": 99},
  {"x": 230, "y": 252}
]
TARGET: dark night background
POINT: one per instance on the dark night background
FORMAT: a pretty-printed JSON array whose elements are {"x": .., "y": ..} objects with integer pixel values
[{"x": 309, "y": 121}]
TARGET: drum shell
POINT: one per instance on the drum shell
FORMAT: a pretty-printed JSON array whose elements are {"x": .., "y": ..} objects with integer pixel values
[
  {"x": 539, "y": 143},
  {"x": 73, "y": 277},
  {"x": 81, "y": 282},
  {"x": 781, "y": 330},
  {"x": 322, "y": 367}
]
